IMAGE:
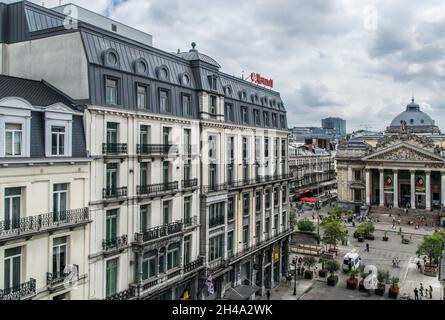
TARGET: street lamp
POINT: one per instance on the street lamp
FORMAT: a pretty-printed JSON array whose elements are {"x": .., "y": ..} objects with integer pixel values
[{"x": 294, "y": 261}]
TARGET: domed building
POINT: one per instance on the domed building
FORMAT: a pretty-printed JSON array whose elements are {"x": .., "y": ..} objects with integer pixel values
[{"x": 403, "y": 168}]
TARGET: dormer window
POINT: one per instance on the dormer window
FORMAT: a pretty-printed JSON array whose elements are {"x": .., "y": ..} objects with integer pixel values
[
  {"x": 13, "y": 139},
  {"x": 185, "y": 79},
  {"x": 111, "y": 58},
  {"x": 228, "y": 90},
  {"x": 58, "y": 134},
  {"x": 213, "y": 83},
  {"x": 163, "y": 73},
  {"x": 141, "y": 67}
]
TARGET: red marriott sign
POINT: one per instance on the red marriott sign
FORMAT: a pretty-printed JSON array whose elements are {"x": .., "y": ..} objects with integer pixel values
[{"x": 258, "y": 79}]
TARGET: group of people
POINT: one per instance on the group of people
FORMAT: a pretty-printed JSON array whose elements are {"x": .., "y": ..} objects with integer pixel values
[
  {"x": 395, "y": 262},
  {"x": 423, "y": 293}
]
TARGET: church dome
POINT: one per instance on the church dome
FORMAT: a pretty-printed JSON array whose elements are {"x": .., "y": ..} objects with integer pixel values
[{"x": 413, "y": 117}]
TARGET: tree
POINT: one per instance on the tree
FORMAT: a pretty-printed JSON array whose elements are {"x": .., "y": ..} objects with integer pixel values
[
  {"x": 306, "y": 226},
  {"x": 382, "y": 276},
  {"x": 353, "y": 274},
  {"x": 334, "y": 231},
  {"x": 366, "y": 228},
  {"x": 336, "y": 212},
  {"x": 332, "y": 266},
  {"x": 293, "y": 217},
  {"x": 431, "y": 246},
  {"x": 309, "y": 262}
]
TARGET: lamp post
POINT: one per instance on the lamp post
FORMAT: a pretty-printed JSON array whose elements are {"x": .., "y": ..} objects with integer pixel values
[{"x": 294, "y": 262}]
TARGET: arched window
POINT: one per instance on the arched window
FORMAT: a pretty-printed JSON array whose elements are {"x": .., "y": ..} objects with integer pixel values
[
  {"x": 141, "y": 66},
  {"x": 111, "y": 58}
]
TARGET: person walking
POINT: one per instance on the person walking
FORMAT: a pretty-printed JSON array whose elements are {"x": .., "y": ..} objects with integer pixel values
[
  {"x": 427, "y": 293},
  {"x": 367, "y": 247},
  {"x": 416, "y": 294},
  {"x": 431, "y": 292},
  {"x": 421, "y": 290},
  {"x": 268, "y": 294}
]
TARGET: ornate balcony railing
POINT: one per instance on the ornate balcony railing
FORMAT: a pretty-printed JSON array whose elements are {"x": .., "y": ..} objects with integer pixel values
[
  {"x": 156, "y": 149},
  {"x": 215, "y": 264},
  {"x": 110, "y": 193},
  {"x": 216, "y": 221},
  {"x": 191, "y": 183},
  {"x": 114, "y": 148},
  {"x": 215, "y": 188},
  {"x": 20, "y": 291},
  {"x": 41, "y": 222},
  {"x": 123, "y": 295},
  {"x": 115, "y": 243},
  {"x": 189, "y": 267},
  {"x": 156, "y": 189},
  {"x": 56, "y": 278},
  {"x": 172, "y": 274}
]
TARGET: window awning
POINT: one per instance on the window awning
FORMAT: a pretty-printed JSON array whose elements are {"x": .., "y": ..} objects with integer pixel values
[{"x": 241, "y": 292}]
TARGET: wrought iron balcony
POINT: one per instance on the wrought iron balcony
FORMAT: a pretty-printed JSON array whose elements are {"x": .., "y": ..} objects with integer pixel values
[
  {"x": 190, "y": 183},
  {"x": 58, "y": 277},
  {"x": 189, "y": 267},
  {"x": 156, "y": 149},
  {"x": 114, "y": 148},
  {"x": 113, "y": 192},
  {"x": 156, "y": 189},
  {"x": 43, "y": 222},
  {"x": 159, "y": 232},
  {"x": 216, "y": 221},
  {"x": 115, "y": 243},
  {"x": 152, "y": 283},
  {"x": 216, "y": 264},
  {"x": 20, "y": 291},
  {"x": 215, "y": 188},
  {"x": 123, "y": 295}
]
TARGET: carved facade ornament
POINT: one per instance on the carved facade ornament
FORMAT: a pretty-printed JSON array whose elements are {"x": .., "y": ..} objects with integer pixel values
[
  {"x": 404, "y": 154},
  {"x": 407, "y": 137}
]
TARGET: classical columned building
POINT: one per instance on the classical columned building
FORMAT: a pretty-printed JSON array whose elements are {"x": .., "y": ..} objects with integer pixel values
[{"x": 405, "y": 168}]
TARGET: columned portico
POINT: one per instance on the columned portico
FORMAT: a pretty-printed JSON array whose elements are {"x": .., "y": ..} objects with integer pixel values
[
  {"x": 381, "y": 188},
  {"x": 413, "y": 189},
  {"x": 368, "y": 187},
  {"x": 396, "y": 189}
]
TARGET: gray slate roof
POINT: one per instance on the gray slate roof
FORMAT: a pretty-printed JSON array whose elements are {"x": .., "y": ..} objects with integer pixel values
[
  {"x": 38, "y": 93},
  {"x": 413, "y": 117}
]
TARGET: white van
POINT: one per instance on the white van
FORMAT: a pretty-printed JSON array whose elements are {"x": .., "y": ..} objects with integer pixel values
[{"x": 351, "y": 261}]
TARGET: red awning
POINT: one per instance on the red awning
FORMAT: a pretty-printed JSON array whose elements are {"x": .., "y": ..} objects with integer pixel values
[{"x": 306, "y": 199}]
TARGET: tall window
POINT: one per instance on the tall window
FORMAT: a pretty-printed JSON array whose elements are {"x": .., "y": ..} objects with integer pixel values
[
  {"x": 212, "y": 175},
  {"x": 111, "y": 91},
  {"x": 13, "y": 268},
  {"x": 229, "y": 112},
  {"x": 111, "y": 176},
  {"x": 266, "y": 118},
  {"x": 245, "y": 155},
  {"x": 187, "y": 141},
  {"x": 212, "y": 147},
  {"x": 165, "y": 172},
  {"x": 166, "y": 212},
  {"x": 112, "y": 130},
  {"x": 187, "y": 208},
  {"x": 246, "y": 204},
  {"x": 186, "y": 105},
  {"x": 282, "y": 121},
  {"x": 60, "y": 199},
  {"x": 57, "y": 141},
  {"x": 144, "y": 173},
  {"x": 216, "y": 245},
  {"x": 173, "y": 256},
  {"x": 216, "y": 214},
  {"x": 143, "y": 135},
  {"x": 13, "y": 200},
  {"x": 230, "y": 172},
  {"x": 276, "y": 147},
  {"x": 276, "y": 197},
  {"x": 166, "y": 135},
  {"x": 258, "y": 230},
  {"x": 267, "y": 227},
  {"x": 268, "y": 200},
  {"x": 257, "y": 147},
  {"x": 231, "y": 148},
  {"x": 187, "y": 175},
  {"x": 256, "y": 117},
  {"x": 149, "y": 265},
  {"x": 244, "y": 115},
  {"x": 212, "y": 105},
  {"x": 111, "y": 277},
  {"x": 187, "y": 249},
  {"x": 161, "y": 260},
  {"x": 230, "y": 208},
  {"x": 59, "y": 255},
  {"x": 230, "y": 243},
  {"x": 246, "y": 235},
  {"x": 111, "y": 224},
  {"x": 145, "y": 220},
  {"x": 245, "y": 171},
  {"x": 283, "y": 148},
  {"x": 13, "y": 139},
  {"x": 266, "y": 147},
  {"x": 142, "y": 96},
  {"x": 274, "y": 120},
  {"x": 164, "y": 103},
  {"x": 258, "y": 201}
]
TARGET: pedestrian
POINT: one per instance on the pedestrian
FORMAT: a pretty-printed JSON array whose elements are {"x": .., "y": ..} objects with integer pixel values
[
  {"x": 299, "y": 270},
  {"x": 431, "y": 292},
  {"x": 424, "y": 260},
  {"x": 302, "y": 271},
  {"x": 367, "y": 247},
  {"x": 421, "y": 290},
  {"x": 398, "y": 222},
  {"x": 419, "y": 267},
  {"x": 416, "y": 294},
  {"x": 268, "y": 294},
  {"x": 427, "y": 293},
  {"x": 400, "y": 230}
]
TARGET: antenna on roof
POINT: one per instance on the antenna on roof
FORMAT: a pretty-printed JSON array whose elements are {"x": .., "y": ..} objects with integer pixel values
[
  {"x": 179, "y": 50},
  {"x": 242, "y": 74}
]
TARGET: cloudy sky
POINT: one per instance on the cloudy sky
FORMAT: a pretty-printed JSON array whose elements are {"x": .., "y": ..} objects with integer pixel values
[{"x": 357, "y": 59}]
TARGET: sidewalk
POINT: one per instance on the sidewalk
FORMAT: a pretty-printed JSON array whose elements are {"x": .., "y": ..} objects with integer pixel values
[
  {"x": 284, "y": 291},
  {"x": 423, "y": 231}
]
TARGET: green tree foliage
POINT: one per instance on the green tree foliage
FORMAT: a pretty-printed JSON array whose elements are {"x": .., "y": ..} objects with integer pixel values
[
  {"x": 336, "y": 212},
  {"x": 306, "y": 225},
  {"x": 431, "y": 246},
  {"x": 293, "y": 217},
  {"x": 332, "y": 266},
  {"x": 382, "y": 275},
  {"x": 334, "y": 231},
  {"x": 309, "y": 261},
  {"x": 366, "y": 228}
]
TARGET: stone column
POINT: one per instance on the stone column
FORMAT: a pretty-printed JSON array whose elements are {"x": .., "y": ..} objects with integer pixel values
[
  {"x": 350, "y": 195},
  {"x": 396, "y": 189},
  {"x": 413, "y": 189},
  {"x": 368, "y": 187},
  {"x": 381, "y": 188},
  {"x": 442, "y": 188},
  {"x": 428, "y": 190}
]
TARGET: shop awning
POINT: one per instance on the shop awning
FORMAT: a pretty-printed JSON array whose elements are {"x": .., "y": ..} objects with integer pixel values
[
  {"x": 307, "y": 199},
  {"x": 241, "y": 292}
]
